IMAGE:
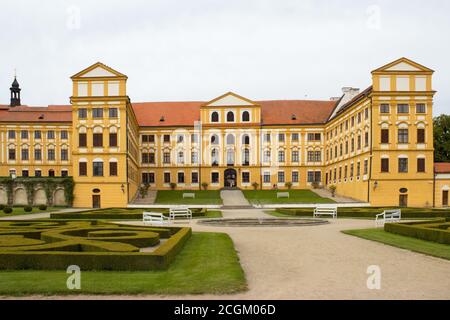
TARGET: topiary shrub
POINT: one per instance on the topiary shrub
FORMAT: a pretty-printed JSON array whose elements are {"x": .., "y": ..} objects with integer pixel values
[
  {"x": 42, "y": 207},
  {"x": 173, "y": 185},
  {"x": 255, "y": 185},
  {"x": 7, "y": 210},
  {"x": 2, "y": 206},
  {"x": 205, "y": 186},
  {"x": 28, "y": 208},
  {"x": 289, "y": 185}
]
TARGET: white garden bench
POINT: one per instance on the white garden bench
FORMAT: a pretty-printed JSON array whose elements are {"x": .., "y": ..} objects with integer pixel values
[
  {"x": 155, "y": 218},
  {"x": 325, "y": 211},
  {"x": 388, "y": 216},
  {"x": 282, "y": 195},
  {"x": 189, "y": 195},
  {"x": 180, "y": 212}
]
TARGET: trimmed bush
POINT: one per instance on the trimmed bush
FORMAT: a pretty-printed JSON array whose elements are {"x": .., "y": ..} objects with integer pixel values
[
  {"x": 435, "y": 230},
  {"x": 2, "y": 206},
  {"x": 92, "y": 245},
  {"x": 27, "y": 208},
  {"x": 7, "y": 210},
  {"x": 369, "y": 212},
  {"x": 42, "y": 207}
]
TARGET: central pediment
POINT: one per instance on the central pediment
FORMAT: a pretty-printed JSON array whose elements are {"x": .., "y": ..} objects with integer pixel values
[{"x": 230, "y": 99}]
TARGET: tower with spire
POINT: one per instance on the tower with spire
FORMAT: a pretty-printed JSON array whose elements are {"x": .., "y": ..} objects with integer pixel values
[{"x": 15, "y": 93}]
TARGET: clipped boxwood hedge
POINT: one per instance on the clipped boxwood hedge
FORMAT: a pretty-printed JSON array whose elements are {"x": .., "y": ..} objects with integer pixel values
[
  {"x": 119, "y": 214},
  {"x": 92, "y": 245},
  {"x": 370, "y": 212},
  {"x": 437, "y": 230}
]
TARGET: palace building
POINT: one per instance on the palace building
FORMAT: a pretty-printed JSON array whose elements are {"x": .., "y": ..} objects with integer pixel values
[{"x": 374, "y": 145}]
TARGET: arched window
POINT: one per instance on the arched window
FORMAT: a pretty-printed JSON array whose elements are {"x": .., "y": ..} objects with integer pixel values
[
  {"x": 230, "y": 157},
  {"x": 230, "y": 139},
  {"x": 214, "y": 139},
  {"x": 246, "y": 157},
  {"x": 51, "y": 173},
  {"x": 230, "y": 116},
  {"x": 245, "y": 139},
  {"x": 245, "y": 116},
  {"x": 215, "y": 117}
]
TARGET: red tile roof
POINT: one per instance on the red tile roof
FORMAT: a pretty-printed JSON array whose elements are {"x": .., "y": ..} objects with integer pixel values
[
  {"x": 149, "y": 114},
  {"x": 305, "y": 111},
  {"x": 442, "y": 167},
  {"x": 273, "y": 112},
  {"x": 36, "y": 114}
]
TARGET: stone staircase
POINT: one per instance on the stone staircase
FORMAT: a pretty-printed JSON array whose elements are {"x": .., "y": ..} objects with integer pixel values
[
  {"x": 148, "y": 199},
  {"x": 234, "y": 199}
]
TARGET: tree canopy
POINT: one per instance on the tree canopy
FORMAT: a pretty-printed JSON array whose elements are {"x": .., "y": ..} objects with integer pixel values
[{"x": 442, "y": 138}]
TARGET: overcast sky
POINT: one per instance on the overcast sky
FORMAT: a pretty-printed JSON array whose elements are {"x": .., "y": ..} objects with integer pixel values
[{"x": 198, "y": 49}]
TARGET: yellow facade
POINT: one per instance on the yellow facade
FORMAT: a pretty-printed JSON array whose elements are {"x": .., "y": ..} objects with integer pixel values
[{"x": 231, "y": 145}]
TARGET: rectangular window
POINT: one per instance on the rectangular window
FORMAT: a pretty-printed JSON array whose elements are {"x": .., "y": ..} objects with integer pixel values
[
  {"x": 311, "y": 176},
  {"x": 194, "y": 157},
  {"x": 384, "y": 108},
  {"x": 25, "y": 173},
  {"x": 267, "y": 156},
  {"x": 281, "y": 177},
  {"x": 246, "y": 177},
  {"x": 11, "y": 134},
  {"x": 214, "y": 177},
  {"x": 267, "y": 137},
  {"x": 359, "y": 142},
  {"x": 144, "y": 138},
  {"x": 280, "y": 156},
  {"x": 113, "y": 139},
  {"x": 359, "y": 117},
  {"x": 180, "y": 158},
  {"x": 281, "y": 137},
  {"x": 151, "y": 158},
  {"x": 352, "y": 170},
  {"x": 352, "y": 145},
  {"x": 403, "y": 108},
  {"x": 37, "y": 173},
  {"x": 317, "y": 156},
  {"x": 384, "y": 135},
  {"x": 50, "y": 134},
  {"x": 166, "y": 138},
  {"x": 295, "y": 137},
  {"x": 64, "y": 173},
  {"x": 366, "y": 166},
  {"x": 295, "y": 157},
  {"x": 25, "y": 155},
  {"x": 420, "y": 165},
  {"x": 51, "y": 154},
  {"x": 420, "y": 135},
  {"x": 166, "y": 177},
  {"x": 113, "y": 169},
  {"x": 266, "y": 177},
  {"x": 144, "y": 157},
  {"x": 194, "y": 177},
  {"x": 98, "y": 139},
  {"x": 82, "y": 140},
  {"x": 180, "y": 177},
  {"x": 385, "y": 165},
  {"x": 24, "y": 134},
  {"x": 366, "y": 139},
  {"x": 97, "y": 169},
  {"x": 294, "y": 176},
  {"x": 151, "y": 138},
  {"x": 366, "y": 113},
  {"x": 180, "y": 138},
  {"x": 82, "y": 168},
  {"x": 166, "y": 157},
  {"x": 64, "y": 155},
  {"x": 113, "y": 113},
  {"x": 403, "y": 136},
  {"x": 97, "y": 113},
  {"x": 420, "y": 108},
  {"x": 314, "y": 136},
  {"x": 403, "y": 165},
  {"x": 37, "y": 154},
  {"x": 82, "y": 113},
  {"x": 151, "y": 177},
  {"x": 358, "y": 169},
  {"x": 37, "y": 135},
  {"x": 64, "y": 135}
]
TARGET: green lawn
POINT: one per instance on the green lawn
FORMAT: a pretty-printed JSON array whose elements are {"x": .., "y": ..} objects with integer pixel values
[
  {"x": 176, "y": 197},
  {"x": 427, "y": 247},
  {"x": 19, "y": 211},
  {"x": 207, "y": 264},
  {"x": 295, "y": 196}
]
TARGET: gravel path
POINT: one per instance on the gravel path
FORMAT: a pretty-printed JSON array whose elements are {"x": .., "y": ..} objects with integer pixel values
[{"x": 320, "y": 262}]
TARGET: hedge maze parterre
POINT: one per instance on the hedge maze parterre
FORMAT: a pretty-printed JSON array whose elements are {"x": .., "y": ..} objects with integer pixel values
[
  {"x": 437, "y": 230},
  {"x": 91, "y": 245}
]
